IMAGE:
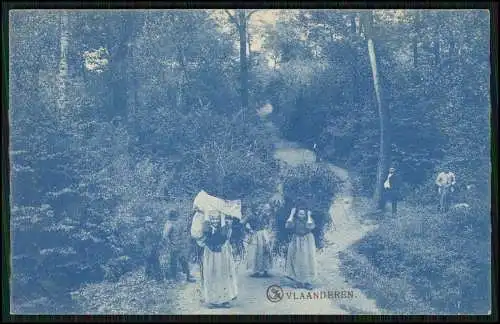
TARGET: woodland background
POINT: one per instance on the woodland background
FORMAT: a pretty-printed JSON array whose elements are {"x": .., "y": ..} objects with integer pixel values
[{"x": 115, "y": 115}]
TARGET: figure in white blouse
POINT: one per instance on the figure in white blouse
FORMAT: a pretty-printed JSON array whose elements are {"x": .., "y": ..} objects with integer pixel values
[{"x": 445, "y": 182}]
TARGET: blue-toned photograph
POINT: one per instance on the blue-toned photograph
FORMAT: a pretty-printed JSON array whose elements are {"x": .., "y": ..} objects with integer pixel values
[{"x": 238, "y": 161}]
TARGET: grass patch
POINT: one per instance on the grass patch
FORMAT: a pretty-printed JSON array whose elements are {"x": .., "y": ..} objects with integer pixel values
[
  {"x": 132, "y": 294},
  {"x": 424, "y": 262}
]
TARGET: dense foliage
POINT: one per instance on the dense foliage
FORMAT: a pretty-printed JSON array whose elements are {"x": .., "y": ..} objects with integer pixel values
[
  {"x": 149, "y": 121},
  {"x": 425, "y": 263},
  {"x": 118, "y": 116},
  {"x": 434, "y": 74}
]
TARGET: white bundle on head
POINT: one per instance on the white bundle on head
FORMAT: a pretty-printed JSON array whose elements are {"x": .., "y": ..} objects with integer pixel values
[{"x": 207, "y": 203}]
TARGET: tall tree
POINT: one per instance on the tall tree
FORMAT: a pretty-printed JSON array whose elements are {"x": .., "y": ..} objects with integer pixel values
[
  {"x": 437, "y": 48},
  {"x": 63, "y": 61},
  {"x": 384, "y": 145},
  {"x": 240, "y": 20},
  {"x": 121, "y": 59},
  {"x": 415, "y": 39}
]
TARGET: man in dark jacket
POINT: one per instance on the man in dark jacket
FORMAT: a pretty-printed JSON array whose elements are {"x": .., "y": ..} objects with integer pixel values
[{"x": 392, "y": 186}]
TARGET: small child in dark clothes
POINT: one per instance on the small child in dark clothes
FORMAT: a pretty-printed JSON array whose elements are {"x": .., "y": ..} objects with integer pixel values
[
  {"x": 150, "y": 240},
  {"x": 177, "y": 244}
]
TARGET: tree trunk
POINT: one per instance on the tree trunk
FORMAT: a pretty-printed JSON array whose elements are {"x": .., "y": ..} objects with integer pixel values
[
  {"x": 250, "y": 59},
  {"x": 453, "y": 48},
  {"x": 416, "y": 30},
  {"x": 437, "y": 49},
  {"x": 242, "y": 29},
  {"x": 384, "y": 147},
  {"x": 437, "y": 56},
  {"x": 63, "y": 63},
  {"x": 123, "y": 72},
  {"x": 136, "y": 27},
  {"x": 353, "y": 24}
]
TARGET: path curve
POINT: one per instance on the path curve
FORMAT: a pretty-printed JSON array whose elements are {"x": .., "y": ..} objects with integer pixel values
[{"x": 252, "y": 291}]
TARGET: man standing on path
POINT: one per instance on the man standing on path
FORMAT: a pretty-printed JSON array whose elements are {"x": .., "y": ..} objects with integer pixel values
[{"x": 391, "y": 190}]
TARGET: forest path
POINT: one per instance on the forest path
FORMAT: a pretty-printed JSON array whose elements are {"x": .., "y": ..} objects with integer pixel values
[{"x": 252, "y": 298}]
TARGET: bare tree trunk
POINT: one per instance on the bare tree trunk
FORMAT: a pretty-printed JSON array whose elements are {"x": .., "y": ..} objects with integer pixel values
[
  {"x": 136, "y": 25},
  {"x": 122, "y": 82},
  {"x": 249, "y": 50},
  {"x": 242, "y": 20},
  {"x": 416, "y": 30},
  {"x": 384, "y": 147},
  {"x": 63, "y": 62},
  {"x": 437, "y": 49},
  {"x": 453, "y": 48},
  {"x": 437, "y": 55},
  {"x": 353, "y": 24}
]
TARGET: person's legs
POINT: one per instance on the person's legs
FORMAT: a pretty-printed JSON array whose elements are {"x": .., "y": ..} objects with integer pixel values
[
  {"x": 444, "y": 200},
  {"x": 157, "y": 273},
  {"x": 184, "y": 265},
  {"x": 394, "y": 202},
  {"x": 451, "y": 195},
  {"x": 147, "y": 267},
  {"x": 185, "y": 268},
  {"x": 172, "y": 269},
  {"x": 447, "y": 200},
  {"x": 153, "y": 270},
  {"x": 383, "y": 200},
  {"x": 441, "y": 200}
]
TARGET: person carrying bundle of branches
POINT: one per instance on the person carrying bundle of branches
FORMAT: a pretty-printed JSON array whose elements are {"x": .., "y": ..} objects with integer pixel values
[
  {"x": 259, "y": 257},
  {"x": 301, "y": 256}
]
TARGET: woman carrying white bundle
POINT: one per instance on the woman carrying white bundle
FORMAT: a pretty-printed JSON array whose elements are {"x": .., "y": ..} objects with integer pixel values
[
  {"x": 301, "y": 256},
  {"x": 259, "y": 258},
  {"x": 219, "y": 284}
]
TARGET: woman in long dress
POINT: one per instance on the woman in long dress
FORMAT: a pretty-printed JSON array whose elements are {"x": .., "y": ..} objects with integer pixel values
[
  {"x": 301, "y": 256},
  {"x": 259, "y": 258},
  {"x": 219, "y": 286}
]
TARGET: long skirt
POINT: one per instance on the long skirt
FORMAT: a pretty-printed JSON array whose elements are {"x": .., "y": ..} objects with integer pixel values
[
  {"x": 219, "y": 283},
  {"x": 301, "y": 258},
  {"x": 259, "y": 257}
]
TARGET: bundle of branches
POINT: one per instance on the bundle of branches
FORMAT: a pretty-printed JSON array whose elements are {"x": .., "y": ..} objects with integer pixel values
[{"x": 309, "y": 188}]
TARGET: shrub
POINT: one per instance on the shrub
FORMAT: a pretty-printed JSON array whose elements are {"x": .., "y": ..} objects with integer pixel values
[
  {"x": 132, "y": 294},
  {"x": 445, "y": 257}
]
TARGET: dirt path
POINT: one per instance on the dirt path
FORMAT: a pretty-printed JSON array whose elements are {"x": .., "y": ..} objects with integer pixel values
[{"x": 252, "y": 291}]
